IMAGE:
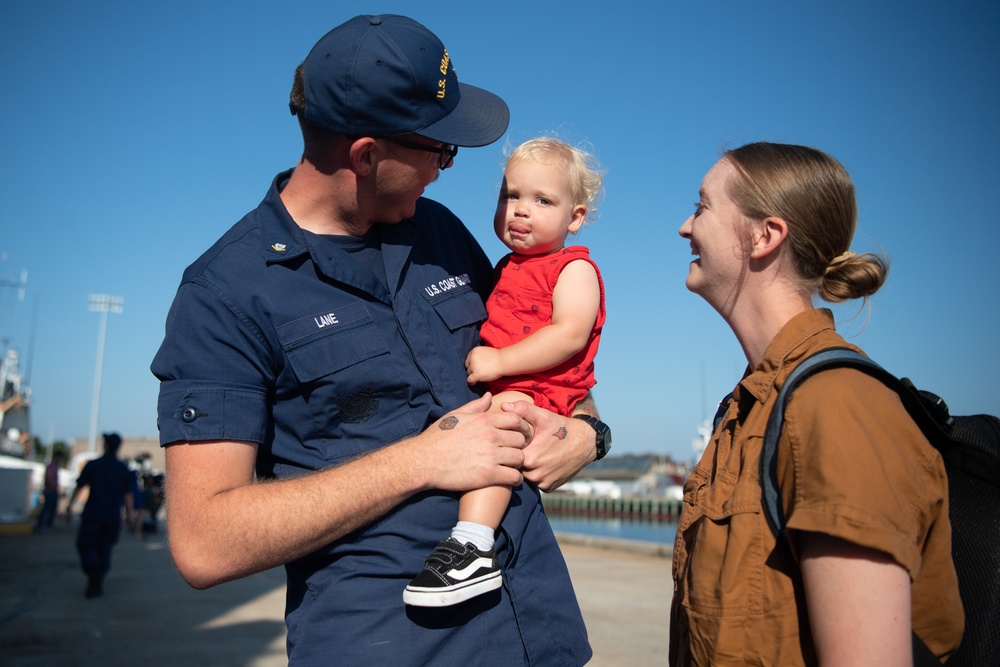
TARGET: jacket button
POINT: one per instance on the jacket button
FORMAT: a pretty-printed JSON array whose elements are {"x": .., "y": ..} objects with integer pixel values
[{"x": 189, "y": 415}]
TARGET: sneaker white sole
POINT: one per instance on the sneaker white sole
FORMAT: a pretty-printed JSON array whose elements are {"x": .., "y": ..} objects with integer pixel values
[{"x": 447, "y": 596}]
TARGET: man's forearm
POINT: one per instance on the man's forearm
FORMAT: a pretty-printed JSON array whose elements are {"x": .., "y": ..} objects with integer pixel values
[
  {"x": 224, "y": 525},
  {"x": 227, "y": 534}
]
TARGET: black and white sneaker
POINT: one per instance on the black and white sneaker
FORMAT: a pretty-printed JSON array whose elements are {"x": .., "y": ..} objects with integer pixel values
[{"x": 453, "y": 573}]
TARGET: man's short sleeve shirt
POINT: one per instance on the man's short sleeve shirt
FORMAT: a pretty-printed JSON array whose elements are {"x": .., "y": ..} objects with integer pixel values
[{"x": 276, "y": 339}]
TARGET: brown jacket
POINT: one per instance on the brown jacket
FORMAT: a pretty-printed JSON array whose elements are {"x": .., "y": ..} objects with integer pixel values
[{"x": 852, "y": 464}]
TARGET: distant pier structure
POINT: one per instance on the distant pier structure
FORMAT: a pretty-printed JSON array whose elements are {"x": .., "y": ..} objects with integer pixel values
[
  {"x": 667, "y": 510},
  {"x": 631, "y": 487}
]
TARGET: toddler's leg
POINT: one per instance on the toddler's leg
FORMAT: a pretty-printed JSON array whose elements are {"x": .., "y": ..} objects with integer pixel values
[
  {"x": 465, "y": 565},
  {"x": 486, "y": 507}
]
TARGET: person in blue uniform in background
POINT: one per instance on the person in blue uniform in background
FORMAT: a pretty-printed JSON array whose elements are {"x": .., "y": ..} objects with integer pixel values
[
  {"x": 107, "y": 479},
  {"x": 313, "y": 400}
]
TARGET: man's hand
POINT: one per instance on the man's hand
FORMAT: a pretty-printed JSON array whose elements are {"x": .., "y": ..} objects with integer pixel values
[
  {"x": 559, "y": 448},
  {"x": 483, "y": 365},
  {"x": 224, "y": 525},
  {"x": 470, "y": 448}
]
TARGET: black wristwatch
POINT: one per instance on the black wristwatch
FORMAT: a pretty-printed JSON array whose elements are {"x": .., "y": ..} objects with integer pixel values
[{"x": 603, "y": 434}]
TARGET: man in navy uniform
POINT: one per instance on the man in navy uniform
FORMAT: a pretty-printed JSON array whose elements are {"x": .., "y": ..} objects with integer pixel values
[{"x": 313, "y": 401}]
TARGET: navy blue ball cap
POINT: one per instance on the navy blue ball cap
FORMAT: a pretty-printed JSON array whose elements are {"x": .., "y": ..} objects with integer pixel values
[{"x": 384, "y": 76}]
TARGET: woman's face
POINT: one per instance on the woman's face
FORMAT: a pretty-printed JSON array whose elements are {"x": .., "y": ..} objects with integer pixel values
[{"x": 718, "y": 235}]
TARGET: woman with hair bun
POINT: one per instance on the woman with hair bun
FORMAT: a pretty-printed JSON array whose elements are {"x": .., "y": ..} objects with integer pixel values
[{"x": 865, "y": 555}]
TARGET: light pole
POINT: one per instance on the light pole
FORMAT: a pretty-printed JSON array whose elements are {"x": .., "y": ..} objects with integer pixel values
[{"x": 103, "y": 304}]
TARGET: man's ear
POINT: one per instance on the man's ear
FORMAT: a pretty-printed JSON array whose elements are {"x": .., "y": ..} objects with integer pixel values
[
  {"x": 362, "y": 155},
  {"x": 768, "y": 235}
]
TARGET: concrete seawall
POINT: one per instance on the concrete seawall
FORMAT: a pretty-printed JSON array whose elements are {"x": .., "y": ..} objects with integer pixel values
[{"x": 149, "y": 616}]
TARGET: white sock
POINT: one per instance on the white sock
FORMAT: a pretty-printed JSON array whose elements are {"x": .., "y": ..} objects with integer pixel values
[{"x": 478, "y": 535}]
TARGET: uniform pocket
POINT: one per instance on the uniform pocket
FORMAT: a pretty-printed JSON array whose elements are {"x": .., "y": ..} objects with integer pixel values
[
  {"x": 462, "y": 312},
  {"x": 356, "y": 398},
  {"x": 459, "y": 308},
  {"x": 324, "y": 343}
]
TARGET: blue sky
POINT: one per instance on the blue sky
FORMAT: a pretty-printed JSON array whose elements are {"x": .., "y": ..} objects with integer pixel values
[{"x": 134, "y": 134}]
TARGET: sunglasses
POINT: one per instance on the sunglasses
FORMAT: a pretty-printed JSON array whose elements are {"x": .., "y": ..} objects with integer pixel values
[{"x": 446, "y": 153}]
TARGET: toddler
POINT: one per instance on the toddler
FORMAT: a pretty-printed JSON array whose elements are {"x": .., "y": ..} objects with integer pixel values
[{"x": 545, "y": 315}]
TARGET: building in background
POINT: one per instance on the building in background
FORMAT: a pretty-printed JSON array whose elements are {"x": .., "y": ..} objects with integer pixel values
[{"x": 133, "y": 449}]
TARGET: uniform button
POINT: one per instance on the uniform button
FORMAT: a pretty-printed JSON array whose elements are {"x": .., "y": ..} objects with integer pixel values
[{"x": 189, "y": 415}]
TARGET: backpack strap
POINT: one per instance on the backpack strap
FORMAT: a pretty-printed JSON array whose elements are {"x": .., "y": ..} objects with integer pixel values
[
  {"x": 928, "y": 411},
  {"x": 721, "y": 412},
  {"x": 828, "y": 358},
  {"x": 833, "y": 358}
]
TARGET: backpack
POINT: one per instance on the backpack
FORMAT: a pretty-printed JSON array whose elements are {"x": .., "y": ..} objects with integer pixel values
[{"x": 970, "y": 447}]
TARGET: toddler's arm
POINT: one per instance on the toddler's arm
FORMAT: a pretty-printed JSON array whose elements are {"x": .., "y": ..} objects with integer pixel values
[{"x": 576, "y": 301}]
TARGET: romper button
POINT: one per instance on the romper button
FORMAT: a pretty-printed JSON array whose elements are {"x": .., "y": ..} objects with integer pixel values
[{"x": 189, "y": 415}]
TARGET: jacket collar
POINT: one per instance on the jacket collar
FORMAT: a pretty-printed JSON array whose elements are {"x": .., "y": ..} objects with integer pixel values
[{"x": 787, "y": 349}]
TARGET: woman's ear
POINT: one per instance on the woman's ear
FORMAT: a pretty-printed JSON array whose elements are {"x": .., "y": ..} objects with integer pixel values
[{"x": 768, "y": 235}]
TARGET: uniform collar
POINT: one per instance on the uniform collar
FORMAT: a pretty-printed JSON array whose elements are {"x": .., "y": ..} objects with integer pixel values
[{"x": 282, "y": 239}]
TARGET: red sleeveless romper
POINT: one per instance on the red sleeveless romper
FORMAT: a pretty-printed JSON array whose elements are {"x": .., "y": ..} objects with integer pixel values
[{"x": 521, "y": 303}]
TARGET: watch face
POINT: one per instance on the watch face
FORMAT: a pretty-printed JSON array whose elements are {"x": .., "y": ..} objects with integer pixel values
[
  {"x": 605, "y": 432},
  {"x": 603, "y": 437}
]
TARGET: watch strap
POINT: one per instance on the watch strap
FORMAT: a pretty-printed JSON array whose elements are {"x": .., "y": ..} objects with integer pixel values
[{"x": 599, "y": 430}]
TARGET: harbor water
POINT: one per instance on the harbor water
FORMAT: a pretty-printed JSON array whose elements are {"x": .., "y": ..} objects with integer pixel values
[{"x": 660, "y": 532}]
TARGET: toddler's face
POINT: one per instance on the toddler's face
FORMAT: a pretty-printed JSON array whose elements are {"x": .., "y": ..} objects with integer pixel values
[{"x": 536, "y": 210}]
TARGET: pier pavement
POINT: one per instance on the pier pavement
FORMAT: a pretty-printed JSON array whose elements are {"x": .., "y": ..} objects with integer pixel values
[{"x": 149, "y": 616}]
